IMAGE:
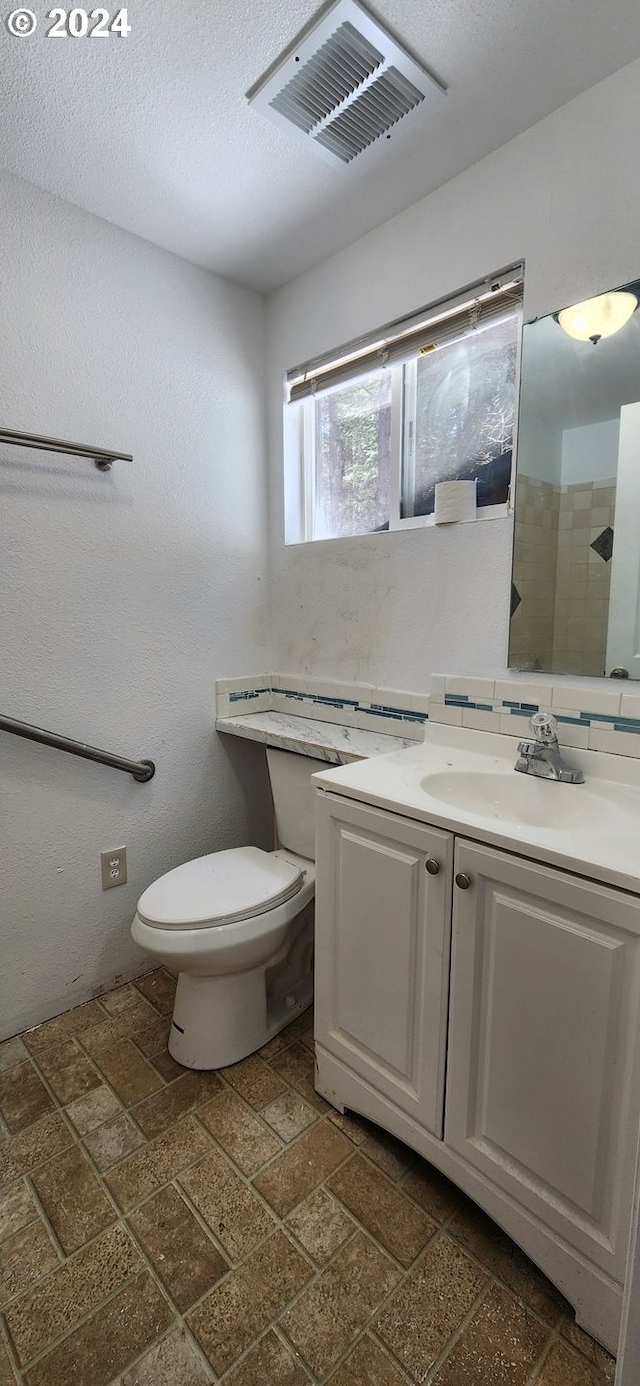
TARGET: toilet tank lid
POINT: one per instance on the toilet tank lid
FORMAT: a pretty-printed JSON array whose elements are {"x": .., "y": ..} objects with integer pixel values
[{"x": 219, "y": 888}]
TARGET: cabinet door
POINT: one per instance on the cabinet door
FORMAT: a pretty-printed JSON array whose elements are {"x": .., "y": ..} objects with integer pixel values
[
  {"x": 543, "y": 1039},
  {"x": 382, "y": 951}
]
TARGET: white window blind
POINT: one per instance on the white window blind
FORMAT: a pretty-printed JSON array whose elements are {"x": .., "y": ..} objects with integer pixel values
[{"x": 410, "y": 337}]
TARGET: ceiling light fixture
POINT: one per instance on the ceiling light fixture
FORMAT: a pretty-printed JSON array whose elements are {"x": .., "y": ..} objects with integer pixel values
[{"x": 597, "y": 317}]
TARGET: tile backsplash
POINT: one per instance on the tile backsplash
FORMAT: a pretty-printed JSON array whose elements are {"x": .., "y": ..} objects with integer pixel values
[
  {"x": 604, "y": 719},
  {"x": 359, "y": 705},
  {"x": 601, "y": 719}
]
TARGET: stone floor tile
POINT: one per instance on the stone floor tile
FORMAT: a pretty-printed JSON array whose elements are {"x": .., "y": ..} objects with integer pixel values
[
  {"x": 8, "y": 1376},
  {"x": 122, "y": 999},
  {"x": 289, "y": 1115},
  {"x": 328, "y": 1315},
  {"x": 389, "y": 1154},
  {"x": 350, "y": 1124},
  {"x": 23, "y": 1153},
  {"x": 243, "y": 1305},
  {"x": 17, "y": 1208},
  {"x": 239, "y": 1131},
  {"x": 434, "y": 1193},
  {"x": 128, "y": 1073},
  {"x": 498, "y": 1348},
  {"x": 113, "y": 1141},
  {"x": 156, "y": 1164},
  {"x": 153, "y": 1036},
  {"x": 175, "y": 1361},
  {"x": 368, "y": 1365},
  {"x": 166, "y": 1065},
  {"x": 159, "y": 989},
  {"x": 181, "y": 1253},
  {"x": 429, "y": 1306},
  {"x": 23, "y": 1097},
  {"x": 12, "y": 1052},
  {"x": 236, "y": 1217},
  {"x": 255, "y": 1081},
  {"x": 564, "y": 1367},
  {"x": 598, "y": 1356},
  {"x": 175, "y": 1100},
  {"x": 277, "y": 1044},
  {"x": 296, "y": 1066},
  {"x": 68, "y": 1071},
  {"x": 63, "y": 1027},
  {"x": 382, "y": 1209},
  {"x": 268, "y": 1364},
  {"x": 321, "y": 1225},
  {"x": 50, "y": 1309},
  {"x": 26, "y": 1256},
  {"x": 72, "y": 1199},
  {"x": 489, "y": 1244},
  {"x": 92, "y": 1110},
  {"x": 139, "y": 1019},
  {"x": 300, "y": 1168},
  {"x": 109, "y": 1341}
]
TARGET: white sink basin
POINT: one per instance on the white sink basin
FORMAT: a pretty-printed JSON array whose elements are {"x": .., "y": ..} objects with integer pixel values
[{"x": 522, "y": 799}]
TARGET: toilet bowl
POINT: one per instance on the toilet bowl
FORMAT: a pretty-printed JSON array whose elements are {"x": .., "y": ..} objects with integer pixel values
[{"x": 237, "y": 927}]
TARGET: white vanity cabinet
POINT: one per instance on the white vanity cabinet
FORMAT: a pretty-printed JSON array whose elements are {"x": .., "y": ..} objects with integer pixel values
[
  {"x": 529, "y": 1004},
  {"x": 382, "y": 951},
  {"x": 543, "y": 1041}
]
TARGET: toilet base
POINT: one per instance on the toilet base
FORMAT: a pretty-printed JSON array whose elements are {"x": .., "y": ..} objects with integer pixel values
[{"x": 217, "y": 1021}]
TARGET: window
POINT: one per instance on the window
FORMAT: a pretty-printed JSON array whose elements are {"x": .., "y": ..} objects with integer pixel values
[{"x": 370, "y": 432}]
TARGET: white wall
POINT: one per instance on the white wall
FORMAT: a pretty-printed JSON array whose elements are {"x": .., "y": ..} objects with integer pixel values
[
  {"x": 125, "y": 594},
  {"x": 394, "y": 608},
  {"x": 590, "y": 453}
]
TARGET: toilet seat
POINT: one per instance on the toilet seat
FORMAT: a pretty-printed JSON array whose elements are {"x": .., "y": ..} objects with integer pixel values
[{"x": 219, "y": 889}]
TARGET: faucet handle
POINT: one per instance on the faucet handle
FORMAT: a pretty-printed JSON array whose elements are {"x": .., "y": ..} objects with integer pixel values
[
  {"x": 544, "y": 728},
  {"x": 526, "y": 748}
]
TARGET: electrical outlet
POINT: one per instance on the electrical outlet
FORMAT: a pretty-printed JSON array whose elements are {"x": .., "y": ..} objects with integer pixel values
[{"x": 113, "y": 865}]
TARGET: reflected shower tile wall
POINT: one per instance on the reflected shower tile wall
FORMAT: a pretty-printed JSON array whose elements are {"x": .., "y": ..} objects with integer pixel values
[
  {"x": 583, "y": 577},
  {"x": 534, "y": 572}
]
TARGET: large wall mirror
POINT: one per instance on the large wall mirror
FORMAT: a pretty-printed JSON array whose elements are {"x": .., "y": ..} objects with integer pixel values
[{"x": 575, "y": 603}]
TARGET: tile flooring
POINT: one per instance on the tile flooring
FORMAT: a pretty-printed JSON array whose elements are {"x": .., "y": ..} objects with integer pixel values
[{"x": 168, "y": 1228}]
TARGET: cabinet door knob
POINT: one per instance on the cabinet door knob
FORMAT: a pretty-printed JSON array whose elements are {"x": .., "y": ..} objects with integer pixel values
[
  {"x": 432, "y": 866},
  {"x": 462, "y": 881}
]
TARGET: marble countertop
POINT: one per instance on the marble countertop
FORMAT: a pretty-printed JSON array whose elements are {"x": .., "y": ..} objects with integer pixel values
[{"x": 328, "y": 741}]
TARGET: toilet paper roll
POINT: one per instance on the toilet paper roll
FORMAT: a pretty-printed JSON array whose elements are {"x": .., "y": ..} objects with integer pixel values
[{"x": 455, "y": 501}]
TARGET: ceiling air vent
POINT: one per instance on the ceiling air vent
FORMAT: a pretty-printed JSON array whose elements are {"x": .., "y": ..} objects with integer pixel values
[{"x": 343, "y": 84}]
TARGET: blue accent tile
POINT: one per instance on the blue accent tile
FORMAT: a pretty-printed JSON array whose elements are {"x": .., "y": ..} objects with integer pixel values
[
  {"x": 630, "y": 724},
  {"x": 530, "y": 707},
  {"x": 602, "y": 717},
  {"x": 519, "y": 712},
  {"x": 484, "y": 707},
  {"x": 573, "y": 721},
  {"x": 457, "y": 700},
  {"x": 506, "y": 703}
]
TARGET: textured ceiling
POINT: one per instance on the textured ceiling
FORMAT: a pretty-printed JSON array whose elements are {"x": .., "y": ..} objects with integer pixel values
[{"x": 153, "y": 132}]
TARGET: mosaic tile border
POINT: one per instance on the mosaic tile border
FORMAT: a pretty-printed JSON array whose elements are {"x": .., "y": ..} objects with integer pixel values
[
  {"x": 606, "y": 719},
  {"x": 364, "y": 706}
]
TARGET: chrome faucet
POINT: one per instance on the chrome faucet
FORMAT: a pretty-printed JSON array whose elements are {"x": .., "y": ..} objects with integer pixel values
[{"x": 542, "y": 757}]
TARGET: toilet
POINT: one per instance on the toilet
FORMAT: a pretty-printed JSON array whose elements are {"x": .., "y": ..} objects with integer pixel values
[{"x": 237, "y": 927}]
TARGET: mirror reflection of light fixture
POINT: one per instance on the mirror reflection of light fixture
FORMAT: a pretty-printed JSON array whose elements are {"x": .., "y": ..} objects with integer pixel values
[{"x": 597, "y": 317}]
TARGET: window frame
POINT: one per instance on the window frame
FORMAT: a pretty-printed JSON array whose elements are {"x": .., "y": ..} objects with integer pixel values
[{"x": 300, "y": 454}]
